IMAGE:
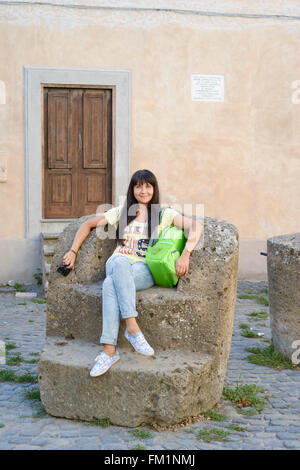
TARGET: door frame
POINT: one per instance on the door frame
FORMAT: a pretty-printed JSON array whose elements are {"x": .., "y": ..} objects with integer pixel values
[
  {"x": 34, "y": 79},
  {"x": 85, "y": 87}
]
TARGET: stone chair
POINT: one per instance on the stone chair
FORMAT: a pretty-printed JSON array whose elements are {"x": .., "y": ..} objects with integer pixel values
[{"x": 189, "y": 327}]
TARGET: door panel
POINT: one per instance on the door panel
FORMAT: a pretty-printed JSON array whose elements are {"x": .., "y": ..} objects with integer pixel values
[
  {"x": 95, "y": 112},
  {"x": 58, "y": 104}
]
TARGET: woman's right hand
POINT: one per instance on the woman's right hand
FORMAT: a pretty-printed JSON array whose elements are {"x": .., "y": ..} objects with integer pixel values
[{"x": 69, "y": 259}]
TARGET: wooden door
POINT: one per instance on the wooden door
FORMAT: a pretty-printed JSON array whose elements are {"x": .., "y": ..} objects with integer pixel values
[{"x": 77, "y": 151}]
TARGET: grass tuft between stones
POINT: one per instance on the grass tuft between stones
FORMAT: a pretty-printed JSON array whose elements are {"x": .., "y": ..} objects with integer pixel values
[
  {"x": 248, "y": 291},
  {"x": 33, "y": 394},
  {"x": 264, "y": 291},
  {"x": 140, "y": 433},
  {"x": 39, "y": 301},
  {"x": 139, "y": 447},
  {"x": 214, "y": 434},
  {"x": 246, "y": 395},
  {"x": 19, "y": 287},
  {"x": 236, "y": 427},
  {"x": 214, "y": 416},
  {"x": 270, "y": 358},
  {"x": 9, "y": 346},
  {"x": 41, "y": 412},
  {"x": 10, "y": 376},
  {"x": 255, "y": 316},
  {"x": 38, "y": 277},
  {"x": 259, "y": 298},
  {"x": 14, "y": 360},
  {"x": 103, "y": 422},
  {"x": 247, "y": 332},
  {"x": 250, "y": 334}
]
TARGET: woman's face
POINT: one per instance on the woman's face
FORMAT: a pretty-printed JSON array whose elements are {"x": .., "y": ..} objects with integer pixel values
[{"x": 143, "y": 192}]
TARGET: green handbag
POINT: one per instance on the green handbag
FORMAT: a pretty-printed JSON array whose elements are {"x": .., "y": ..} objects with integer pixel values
[{"x": 161, "y": 255}]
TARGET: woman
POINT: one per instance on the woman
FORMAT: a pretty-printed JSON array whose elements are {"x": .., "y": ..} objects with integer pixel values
[{"x": 126, "y": 269}]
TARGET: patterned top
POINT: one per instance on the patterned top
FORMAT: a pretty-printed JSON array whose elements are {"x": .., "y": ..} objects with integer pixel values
[{"x": 136, "y": 240}]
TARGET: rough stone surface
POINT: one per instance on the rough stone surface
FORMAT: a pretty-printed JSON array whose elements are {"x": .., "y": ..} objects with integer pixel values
[
  {"x": 284, "y": 291},
  {"x": 194, "y": 318}
]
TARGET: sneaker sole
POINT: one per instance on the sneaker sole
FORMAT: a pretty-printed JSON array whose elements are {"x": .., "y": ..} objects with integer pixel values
[{"x": 101, "y": 373}]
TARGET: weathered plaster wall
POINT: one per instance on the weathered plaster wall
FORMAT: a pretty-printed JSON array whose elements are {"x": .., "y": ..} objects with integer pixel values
[{"x": 239, "y": 158}]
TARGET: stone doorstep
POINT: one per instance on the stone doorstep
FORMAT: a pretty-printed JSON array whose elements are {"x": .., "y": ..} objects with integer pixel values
[
  {"x": 25, "y": 295},
  {"x": 50, "y": 236},
  {"x": 127, "y": 394}
]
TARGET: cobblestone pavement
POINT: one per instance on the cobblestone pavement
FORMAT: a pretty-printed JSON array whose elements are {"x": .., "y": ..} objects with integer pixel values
[{"x": 23, "y": 426}]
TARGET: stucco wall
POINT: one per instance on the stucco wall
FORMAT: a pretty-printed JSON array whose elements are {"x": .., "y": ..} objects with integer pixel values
[{"x": 240, "y": 158}]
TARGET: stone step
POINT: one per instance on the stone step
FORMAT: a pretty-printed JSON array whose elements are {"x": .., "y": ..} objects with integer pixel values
[
  {"x": 54, "y": 225},
  {"x": 48, "y": 251},
  {"x": 50, "y": 241},
  {"x": 165, "y": 388},
  {"x": 50, "y": 236},
  {"x": 47, "y": 268}
]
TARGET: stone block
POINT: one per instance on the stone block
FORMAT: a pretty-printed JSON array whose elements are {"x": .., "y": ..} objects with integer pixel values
[
  {"x": 137, "y": 390},
  {"x": 284, "y": 291}
]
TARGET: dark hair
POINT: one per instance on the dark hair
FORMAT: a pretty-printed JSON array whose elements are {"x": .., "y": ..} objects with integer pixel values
[{"x": 140, "y": 176}]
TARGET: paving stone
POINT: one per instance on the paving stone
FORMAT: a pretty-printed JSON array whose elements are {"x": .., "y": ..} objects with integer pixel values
[
  {"x": 280, "y": 422},
  {"x": 264, "y": 435},
  {"x": 18, "y": 440},
  {"x": 86, "y": 441},
  {"x": 69, "y": 434},
  {"x": 292, "y": 444},
  {"x": 5, "y": 446},
  {"x": 286, "y": 436},
  {"x": 89, "y": 432},
  {"x": 274, "y": 429},
  {"x": 57, "y": 443},
  {"x": 29, "y": 432},
  {"x": 39, "y": 442},
  {"x": 293, "y": 428}
]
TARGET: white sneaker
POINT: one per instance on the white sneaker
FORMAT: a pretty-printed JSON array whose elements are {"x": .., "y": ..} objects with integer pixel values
[
  {"x": 139, "y": 343},
  {"x": 103, "y": 363}
]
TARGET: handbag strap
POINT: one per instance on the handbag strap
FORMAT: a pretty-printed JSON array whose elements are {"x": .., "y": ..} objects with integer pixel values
[{"x": 153, "y": 240}]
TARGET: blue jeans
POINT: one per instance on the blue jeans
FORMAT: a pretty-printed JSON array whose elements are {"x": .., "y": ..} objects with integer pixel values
[{"x": 119, "y": 288}]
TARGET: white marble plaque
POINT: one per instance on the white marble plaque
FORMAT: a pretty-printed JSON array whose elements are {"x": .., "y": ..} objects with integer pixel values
[{"x": 207, "y": 87}]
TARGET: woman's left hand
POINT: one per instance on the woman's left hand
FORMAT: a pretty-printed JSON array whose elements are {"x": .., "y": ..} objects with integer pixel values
[{"x": 182, "y": 265}]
